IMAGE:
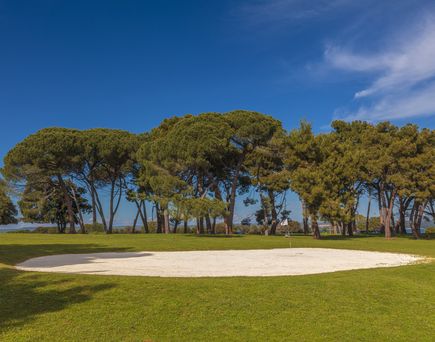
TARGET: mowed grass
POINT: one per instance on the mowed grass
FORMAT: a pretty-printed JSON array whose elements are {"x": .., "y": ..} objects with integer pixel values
[{"x": 386, "y": 304}]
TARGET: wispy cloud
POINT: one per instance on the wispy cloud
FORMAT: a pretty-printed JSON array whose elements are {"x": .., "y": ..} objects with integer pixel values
[
  {"x": 403, "y": 83},
  {"x": 288, "y": 11}
]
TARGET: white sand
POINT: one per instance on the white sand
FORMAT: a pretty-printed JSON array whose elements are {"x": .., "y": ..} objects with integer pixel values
[{"x": 260, "y": 262}]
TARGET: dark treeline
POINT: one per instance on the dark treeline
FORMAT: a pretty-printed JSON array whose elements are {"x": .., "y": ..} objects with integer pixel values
[{"x": 192, "y": 168}]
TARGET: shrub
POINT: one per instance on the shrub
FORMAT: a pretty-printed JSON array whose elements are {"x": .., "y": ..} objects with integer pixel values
[
  {"x": 430, "y": 233},
  {"x": 94, "y": 228},
  {"x": 45, "y": 230}
]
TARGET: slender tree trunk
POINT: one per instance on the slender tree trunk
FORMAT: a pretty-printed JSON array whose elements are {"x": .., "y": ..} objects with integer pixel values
[
  {"x": 141, "y": 209},
  {"x": 393, "y": 222},
  {"x": 113, "y": 208},
  {"x": 304, "y": 218},
  {"x": 265, "y": 213},
  {"x": 416, "y": 217},
  {"x": 80, "y": 218},
  {"x": 201, "y": 225},
  {"x": 94, "y": 208},
  {"x": 315, "y": 227},
  {"x": 381, "y": 211},
  {"x": 230, "y": 218},
  {"x": 208, "y": 223},
  {"x": 368, "y": 210},
  {"x": 145, "y": 218},
  {"x": 175, "y": 226},
  {"x": 404, "y": 205},
  {"x": 166, "y": 220},
  {"x": 158, "y": 218},
  {"x": 99, "y": 206},
  {"x": 112, "y": 195},
  {"x": 213, "y": 226},
  {"x": 133, "y": 229},
  {"x": 185, "y": 227},
  {"x": 273, "y": 212}
]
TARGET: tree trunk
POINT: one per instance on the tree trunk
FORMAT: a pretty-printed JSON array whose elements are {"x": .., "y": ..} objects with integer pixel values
[
  {"x": 213, "y": 226},
  {"x": 389, "y": 212},
  {"x": 113, "y": 208},
  {"x": 273, "y": 212},
  {"x": 158, "y": 218},
  {"x": 315, "y": 227},
  {"x": 201, "y": 225},
  {"x": 94, "y": 208},
  {"x": 304, "y": 218},
  {"x": 145, "y": 218},
  {"x": 404, "y": 204},
  {"x": 135, "y": 222},
  {"x": 368, "y": 211},
  {"x": 166, "y": 220},
  {"x": 350, "y": 229},
  {"x": 98, "y": 205},
  {"x": 208, "y": 223},
  {"x": 141, "y": 210},
  {"x": 185, "y": 227},
  {"x": 416, "y": 217},
  {"x": 381, "y": 211},
  {"x": 80, "y": 218},
  {"x": 230, "y": 218}
]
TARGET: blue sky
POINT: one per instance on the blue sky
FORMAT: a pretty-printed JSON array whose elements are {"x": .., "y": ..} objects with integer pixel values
[{"x": 129, "y": 64}]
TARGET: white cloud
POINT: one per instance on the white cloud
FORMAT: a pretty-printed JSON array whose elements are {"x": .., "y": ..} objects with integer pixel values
[{"x": 403, "y": 75}]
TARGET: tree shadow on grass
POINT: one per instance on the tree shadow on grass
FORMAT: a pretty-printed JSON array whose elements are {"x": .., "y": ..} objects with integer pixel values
[
  {"x": 24, "y": 295},
  {"x": 15, "y": 253}
]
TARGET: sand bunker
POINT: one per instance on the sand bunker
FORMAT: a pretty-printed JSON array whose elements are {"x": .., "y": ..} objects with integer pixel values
[{"x": 228, "y": 263}]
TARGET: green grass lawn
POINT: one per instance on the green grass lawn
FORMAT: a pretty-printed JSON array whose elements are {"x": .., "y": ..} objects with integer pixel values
[{"x": 386, "y": 304}]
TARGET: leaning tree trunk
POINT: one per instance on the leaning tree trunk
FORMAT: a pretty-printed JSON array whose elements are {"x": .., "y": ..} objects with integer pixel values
[
  {"x": 80, "y": 218},
  {"x": 142, "y": 212},
  {"x": 416, "y": 217},
  {"x": 98, "y": 205},
  {"x": 94, "y": 208},
  {"x": 273, "y": 212},
  {"x": 381, "y": 210},
  {"x": 368, "y": 211},
  {"x": 133, "y": 228}
]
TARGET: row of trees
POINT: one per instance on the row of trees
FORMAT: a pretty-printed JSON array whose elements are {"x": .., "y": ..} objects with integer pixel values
[{"x": 193, "y": 168}]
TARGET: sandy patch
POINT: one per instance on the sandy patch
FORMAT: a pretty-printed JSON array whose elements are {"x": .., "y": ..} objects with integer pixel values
[{"x": 227, "y": 263}]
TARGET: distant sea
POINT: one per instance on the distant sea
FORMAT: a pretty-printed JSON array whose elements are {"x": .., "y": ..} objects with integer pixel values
[{"x": 23, "y": 226}]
